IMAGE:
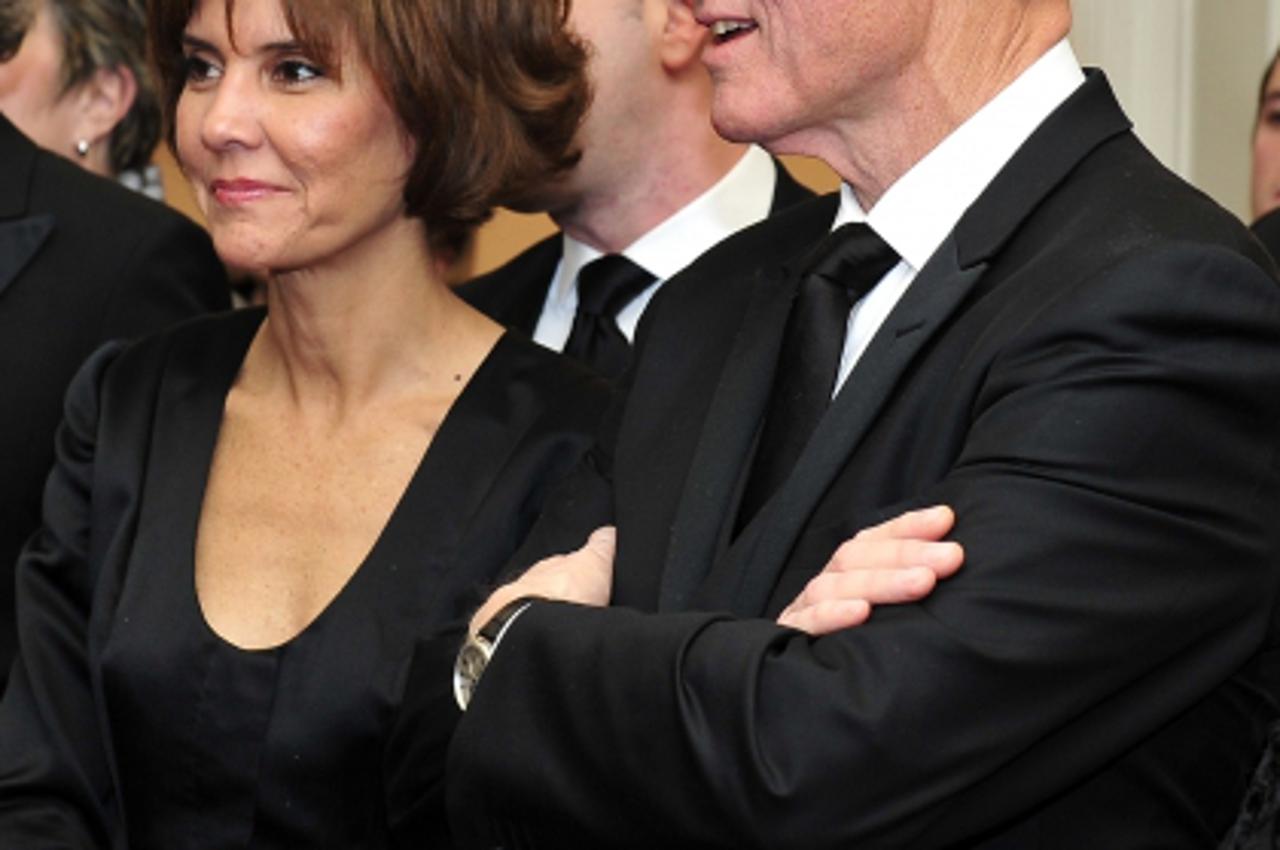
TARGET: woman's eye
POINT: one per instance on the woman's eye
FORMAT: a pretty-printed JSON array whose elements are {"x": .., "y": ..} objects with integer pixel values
[
  {"x": 197, "y": 70},
  {"x": 296, "y": 72}
]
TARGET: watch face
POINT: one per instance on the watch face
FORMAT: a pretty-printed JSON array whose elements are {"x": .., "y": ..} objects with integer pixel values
[{"x": 471, "y": 662}]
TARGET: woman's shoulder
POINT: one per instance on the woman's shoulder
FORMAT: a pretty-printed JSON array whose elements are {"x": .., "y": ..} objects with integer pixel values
[{"x": 201, "y": 339}]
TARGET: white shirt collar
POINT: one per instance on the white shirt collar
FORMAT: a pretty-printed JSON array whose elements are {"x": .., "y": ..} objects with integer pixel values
[
  {"x": 739, "y": 199},
  {"x": 918, "y": 211}
]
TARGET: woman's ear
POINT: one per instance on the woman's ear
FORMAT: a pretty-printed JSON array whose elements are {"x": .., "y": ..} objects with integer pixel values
[
  {"x": 682, "y": 37},
  {"x": 103, "y": 101}
]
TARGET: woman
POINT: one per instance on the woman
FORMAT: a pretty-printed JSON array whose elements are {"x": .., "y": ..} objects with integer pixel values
[
  {"x": 1265, "y": 171},
  {"x": 74, "y": 79},
  {"x": 264, "y": 529}
]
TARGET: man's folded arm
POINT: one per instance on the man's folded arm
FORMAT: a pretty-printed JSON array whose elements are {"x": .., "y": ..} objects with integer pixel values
[{"x": 1116, "y": 500}]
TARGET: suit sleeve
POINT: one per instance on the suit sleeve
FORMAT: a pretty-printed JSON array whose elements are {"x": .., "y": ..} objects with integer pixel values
[
  {"x": 172, "y": 275},
  {"x": 54, "y": 776},
  {"x": 1117, "y": 495}
]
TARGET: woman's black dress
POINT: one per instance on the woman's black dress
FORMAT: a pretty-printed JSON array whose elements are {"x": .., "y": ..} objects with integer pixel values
[{"x": 130, "y": 723}]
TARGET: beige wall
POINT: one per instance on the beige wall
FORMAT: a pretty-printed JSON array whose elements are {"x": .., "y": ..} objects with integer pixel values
[{"x": 1187, "y": 72}]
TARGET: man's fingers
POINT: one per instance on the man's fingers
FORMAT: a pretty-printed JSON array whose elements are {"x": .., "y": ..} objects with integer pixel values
[
  {"x": 942, "y": 558},
  {"x": 877, "y": 587},
  {"x": 924, "y": 524},
  {"x": 826, "y": 617}
]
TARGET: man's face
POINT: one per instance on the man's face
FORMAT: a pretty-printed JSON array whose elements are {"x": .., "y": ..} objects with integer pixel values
[
  {"x": 783, "y": 67},
  {"x": 1266, "y": 148},
  {"x": 619, "y": 35}
]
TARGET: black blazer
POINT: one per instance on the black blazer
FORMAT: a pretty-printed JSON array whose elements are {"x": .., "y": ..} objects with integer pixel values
[
  {"x": 82, "y": 261},
  {"x": 1088, "y": 370},
  {"x": 335, "y": 739},
  {"x": 514, "y": 293},
  {"x": 1267, "y": 230}
]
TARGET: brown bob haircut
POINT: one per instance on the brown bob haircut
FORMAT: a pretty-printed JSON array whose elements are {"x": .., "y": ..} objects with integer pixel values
[{"x": 492, "y": 91}]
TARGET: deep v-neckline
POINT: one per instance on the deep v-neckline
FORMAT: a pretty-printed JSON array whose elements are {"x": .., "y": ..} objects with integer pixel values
[{"x": 447, "y": 434}]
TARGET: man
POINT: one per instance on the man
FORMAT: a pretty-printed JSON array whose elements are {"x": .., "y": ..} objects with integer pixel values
[
  {"x": 1072, "y": 348},
  {"x": 655, "y": 185},
  {"x": 82, "y": 261}
]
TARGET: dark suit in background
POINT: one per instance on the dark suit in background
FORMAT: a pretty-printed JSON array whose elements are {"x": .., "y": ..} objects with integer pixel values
[
  {"x": 1088, "y": 371},
  {"x": 1267, "y": 229},
  {"x": 82, "y": 261},
  {"x": 514, "y": 294}
]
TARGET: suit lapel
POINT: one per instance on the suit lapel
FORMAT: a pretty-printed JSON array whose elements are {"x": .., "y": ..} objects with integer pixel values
[
  {"x": 19, "y": 242},
  {"x": 786, "y": 192},
  {"x": 21, "y": 234},
  {"x": 725, "y": 442},
  {"x": 929, "y": 303},
  {"x": 527, "y": 299},
  {"x": 762, "y": 258},
  {"x": 744, "y": 577}
]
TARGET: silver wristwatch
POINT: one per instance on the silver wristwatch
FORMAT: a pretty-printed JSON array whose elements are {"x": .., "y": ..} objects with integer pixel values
[{"x": 478, "y": 648}]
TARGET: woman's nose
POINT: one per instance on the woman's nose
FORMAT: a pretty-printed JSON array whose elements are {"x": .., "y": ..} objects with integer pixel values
[{"x": 231, "y": 115}]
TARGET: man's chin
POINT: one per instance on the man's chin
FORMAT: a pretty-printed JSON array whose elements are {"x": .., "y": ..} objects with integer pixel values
[{"x": 747, "y": 127}]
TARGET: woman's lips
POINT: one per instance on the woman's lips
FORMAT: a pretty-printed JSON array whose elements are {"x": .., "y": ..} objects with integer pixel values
[{"x": 242, "y": 191}]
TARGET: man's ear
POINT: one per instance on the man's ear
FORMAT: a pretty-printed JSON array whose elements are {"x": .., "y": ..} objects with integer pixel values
[
  {"x": 682, "y": 37},
  {"x": 104, "y": 99}
]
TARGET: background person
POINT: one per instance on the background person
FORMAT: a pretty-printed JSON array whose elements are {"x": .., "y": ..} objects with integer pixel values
[
  {"x": 260, "y": 524},
  {"x": 655, "y": 188},
  {"x": 75, "y": 80},
  {"x": 82, "y": 261},
  {"x": 1266, "y": 160}
]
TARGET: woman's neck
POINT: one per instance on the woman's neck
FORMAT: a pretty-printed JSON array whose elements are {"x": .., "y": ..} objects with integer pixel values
[{"x": 374, "y": 326}]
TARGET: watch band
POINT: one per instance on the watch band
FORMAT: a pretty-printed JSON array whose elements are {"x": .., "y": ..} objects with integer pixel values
[{"x": 477, "y": 649}]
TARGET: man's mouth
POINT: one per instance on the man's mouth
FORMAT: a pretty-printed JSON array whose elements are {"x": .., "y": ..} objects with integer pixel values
[{"x": 724, "y": 31}]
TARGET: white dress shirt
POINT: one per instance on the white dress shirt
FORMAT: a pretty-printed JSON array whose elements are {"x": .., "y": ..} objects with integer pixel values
[
  {"x": 741, "y": 198},
  {"x": 920, "y": 210}
]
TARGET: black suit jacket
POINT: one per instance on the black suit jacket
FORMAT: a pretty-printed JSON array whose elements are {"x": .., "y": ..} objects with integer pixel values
[
  {"x": 514, "y": 294},
  {"x": 1267, "y": 230},
  {"x": 82, "y": 261},
  {"x": 1088, "y": 370}
]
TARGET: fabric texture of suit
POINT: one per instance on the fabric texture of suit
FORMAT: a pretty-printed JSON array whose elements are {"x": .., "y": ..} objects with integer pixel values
[
  {"x": 514, "y": 293},
  {"x": 1088, "y": 371},
  {"x": 82, "y": 261}
]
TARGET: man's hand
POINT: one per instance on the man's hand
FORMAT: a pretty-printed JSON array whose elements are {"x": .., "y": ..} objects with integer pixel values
[
  {"x": 584, "y": 577},
  {"x": 897, "y": 561}
]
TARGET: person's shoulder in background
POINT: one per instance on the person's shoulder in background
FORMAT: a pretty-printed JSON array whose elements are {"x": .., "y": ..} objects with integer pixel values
[
  {"x": 151, "y": 264},
  {"x": 1267, "y": 231}
]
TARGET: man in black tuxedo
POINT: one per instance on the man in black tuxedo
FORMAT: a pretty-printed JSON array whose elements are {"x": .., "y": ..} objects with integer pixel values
[
  {"x": 1070, "y": 346},
  {"x": 82, "y": 261},
  {"x": 656, "y": 187}
]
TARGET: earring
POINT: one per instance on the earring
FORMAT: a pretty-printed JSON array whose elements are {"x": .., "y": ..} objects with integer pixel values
[{"x": 82, "y": 147}]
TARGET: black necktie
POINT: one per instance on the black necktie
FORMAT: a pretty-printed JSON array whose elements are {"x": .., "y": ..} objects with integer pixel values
[
  {"x": 605, "y": 286},
  {"x": 841, "y": 270}
]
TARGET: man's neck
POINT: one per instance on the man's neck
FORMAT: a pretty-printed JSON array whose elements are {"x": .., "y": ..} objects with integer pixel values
[
  {"x": 879, "y": 142},
  {"x": 613, "y": 218}
]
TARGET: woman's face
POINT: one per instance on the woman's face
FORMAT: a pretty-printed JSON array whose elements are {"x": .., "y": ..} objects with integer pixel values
[
  {"x": 31, "y": 94},
  {"x": 1266, "y": 148},
  {"x": 293, "y": 165}
]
